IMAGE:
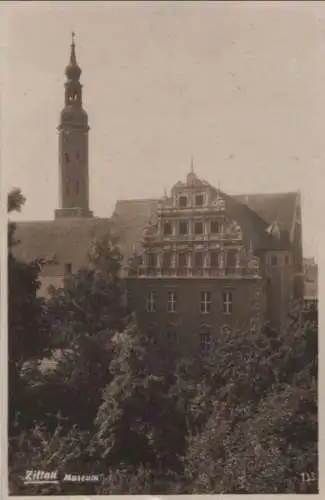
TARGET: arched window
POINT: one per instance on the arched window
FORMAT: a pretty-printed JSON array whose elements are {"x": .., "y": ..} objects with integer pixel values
[{"x": 66, "y": 157}]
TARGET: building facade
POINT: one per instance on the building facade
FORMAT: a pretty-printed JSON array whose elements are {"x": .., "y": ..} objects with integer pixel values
[
  {"x": 196, "y": 261},
  {"x": 209, "y": 263}
]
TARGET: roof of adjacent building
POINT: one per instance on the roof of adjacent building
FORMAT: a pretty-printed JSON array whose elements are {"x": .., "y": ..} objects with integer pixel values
[
  {"x": 68, "y": 240},
  {"x": 280, "y": 207},
  {"x": 61, "y": 240}
]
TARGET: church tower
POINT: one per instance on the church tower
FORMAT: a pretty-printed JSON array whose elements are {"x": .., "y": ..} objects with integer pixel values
[{"x": 73, "y": 147}]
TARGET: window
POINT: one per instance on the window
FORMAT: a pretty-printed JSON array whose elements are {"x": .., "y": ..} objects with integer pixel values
[
  {"x": 215, "y": 227},
  {"x": 171, "y": 302},
  {"x": 167, "y": 228},
  {"x": 151, "y": 333},
  {"x": 183, "y": 227},
  {"x": 171, "y": 335},
  {"x": 231, "y": 259},
  {"x": 205, "y": 302},
  {"x": 152, "y": 259},
  {"x": 167, "y": 259},
  {"x": 287, "y": 260},
  {"x": 77, "y": 155},
  {"x": 151, "y": 302},
  {"x": 66, "y": 157},
  {"x": 198, "y": 227},
  {"x": 183, "y": 201},
  {"x": 205, "y": 342},
  {"x": 198, "y": 259},
  {"x": 214, "y": 259},
  {"x": 182, "y": 259},
  {"x": 227, "y": 302},
  {"x": 274, "y": 260},
  {"x": 68, "y": 269},
  {"x": 77, "y": 187},
  {"x": 199, "y": 200}
]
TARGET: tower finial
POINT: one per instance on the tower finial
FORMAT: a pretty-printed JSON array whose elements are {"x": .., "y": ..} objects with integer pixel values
[
  {"x": 73, "y": 59},
  {"x": 73, "y": 71},
  {"x": 192, "y": 165}
]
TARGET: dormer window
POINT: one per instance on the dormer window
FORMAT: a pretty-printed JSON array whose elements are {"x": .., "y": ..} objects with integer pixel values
[
  {"x": 182, "y": 201},
  {"x": 199, "y": 199}
]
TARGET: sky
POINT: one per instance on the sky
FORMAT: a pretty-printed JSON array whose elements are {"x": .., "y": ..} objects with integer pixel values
[{"x": 238, "y": 87}]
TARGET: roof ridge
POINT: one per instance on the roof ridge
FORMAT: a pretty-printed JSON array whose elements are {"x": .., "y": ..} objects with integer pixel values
[
  {"x": 278, "y": 193},
  {"x": 138, "y": 199}
]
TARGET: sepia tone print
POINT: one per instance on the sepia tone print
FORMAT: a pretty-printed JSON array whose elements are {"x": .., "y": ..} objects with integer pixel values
[{"x": 171, "y": 346}]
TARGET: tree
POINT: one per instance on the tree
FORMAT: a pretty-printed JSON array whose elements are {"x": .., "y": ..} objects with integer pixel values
[
  {"x": 26, "y": 330},
  {"x": 261, "y": 433},
  {"x": 84, "y": 315},
  {"x": 139, "y": 424}
]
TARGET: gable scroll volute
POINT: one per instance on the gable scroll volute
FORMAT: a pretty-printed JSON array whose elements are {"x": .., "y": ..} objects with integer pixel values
[{"x": 233, "y": 230}]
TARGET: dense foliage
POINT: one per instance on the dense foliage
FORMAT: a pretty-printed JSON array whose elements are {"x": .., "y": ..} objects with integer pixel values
[{"x": 240, "y": 420}]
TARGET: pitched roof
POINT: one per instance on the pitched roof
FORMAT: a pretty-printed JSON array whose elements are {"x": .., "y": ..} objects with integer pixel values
[
  {"x": 65, "y": 240},
  {"x": 68, "y": 240},
  {"x": 131, "y": 217},
  {"x": 279, "y": 207}
]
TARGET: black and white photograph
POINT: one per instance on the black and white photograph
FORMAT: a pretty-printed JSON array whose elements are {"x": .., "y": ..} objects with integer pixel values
[{"x": 162, "y": 165}]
